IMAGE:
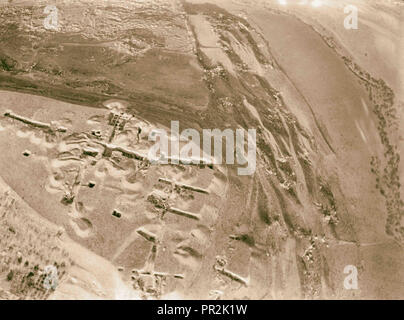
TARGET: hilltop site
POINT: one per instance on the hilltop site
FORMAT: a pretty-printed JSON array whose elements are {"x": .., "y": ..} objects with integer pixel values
[{"x": 81, "y": 202}]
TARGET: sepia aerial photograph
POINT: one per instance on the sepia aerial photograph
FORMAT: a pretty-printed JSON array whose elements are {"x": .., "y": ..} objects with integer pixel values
[{"x": 201, "y": 150}]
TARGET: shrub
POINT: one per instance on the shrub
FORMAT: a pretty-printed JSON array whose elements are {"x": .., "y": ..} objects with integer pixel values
[{"x": 10, "y": 275}]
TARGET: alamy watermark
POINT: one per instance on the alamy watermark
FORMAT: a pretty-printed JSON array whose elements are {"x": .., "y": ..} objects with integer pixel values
[
  {"x": 351, "y": 21},
  {"x": 351, "y": 280},
  {"x": 51, "y": 21},
  {"x": 240, "y": 148}
]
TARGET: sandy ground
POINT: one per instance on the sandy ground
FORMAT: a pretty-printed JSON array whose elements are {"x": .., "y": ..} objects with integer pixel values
[
  {"x": 90, "y": 277},
  {"x": 55, "y": 163}
]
